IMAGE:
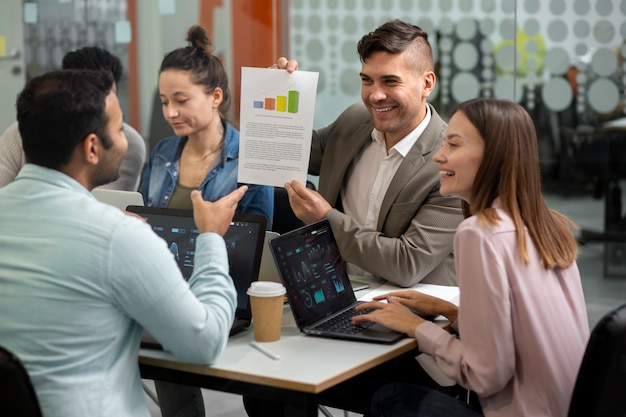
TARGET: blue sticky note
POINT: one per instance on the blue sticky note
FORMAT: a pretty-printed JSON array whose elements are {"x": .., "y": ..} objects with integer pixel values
[
  {"x": 30, "y": 12},
  {"x": 122, "y": 32},
  {"x": 167, "y": 7}
]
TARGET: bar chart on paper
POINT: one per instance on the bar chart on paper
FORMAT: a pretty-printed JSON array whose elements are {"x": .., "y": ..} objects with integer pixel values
[
  {"x": 282, "y": 103},
  {"x": 276, "y": 123}
]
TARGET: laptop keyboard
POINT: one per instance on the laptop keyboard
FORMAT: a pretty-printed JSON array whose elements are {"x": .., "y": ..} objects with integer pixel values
[{"x": 342, "y": 323}]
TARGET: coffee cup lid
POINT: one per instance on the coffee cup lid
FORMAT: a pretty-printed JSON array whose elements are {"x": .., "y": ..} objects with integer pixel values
[{"x": 266, "y": 289}]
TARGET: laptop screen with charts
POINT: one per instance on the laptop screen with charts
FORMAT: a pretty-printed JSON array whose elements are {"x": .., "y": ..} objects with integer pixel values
[
  {"x": 244, "y": 244},
  {"x": 268, "y": 271},
  {"x": 317, "y": 284}
]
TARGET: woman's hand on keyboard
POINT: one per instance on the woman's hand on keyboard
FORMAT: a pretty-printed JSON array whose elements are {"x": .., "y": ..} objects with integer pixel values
[
  {"x": 423, "y": 304},
  {"x": 391, "y": 314}
]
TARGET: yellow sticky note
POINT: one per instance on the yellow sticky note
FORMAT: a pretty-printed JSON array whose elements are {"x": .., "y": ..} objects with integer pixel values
[{"x": 3, "y": 45}]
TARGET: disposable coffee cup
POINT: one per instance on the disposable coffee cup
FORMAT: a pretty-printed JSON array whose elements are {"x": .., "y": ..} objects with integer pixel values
[{"x": 266, "y": 301}]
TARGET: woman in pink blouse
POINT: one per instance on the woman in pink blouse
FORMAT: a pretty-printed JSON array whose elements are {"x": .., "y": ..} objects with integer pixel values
[{"x": 521, "y": 326}]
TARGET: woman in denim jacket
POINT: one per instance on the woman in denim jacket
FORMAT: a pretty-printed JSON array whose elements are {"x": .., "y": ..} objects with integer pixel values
[
  {"x": 204, "y": 153},
  {"x": 161, "y": 176}
]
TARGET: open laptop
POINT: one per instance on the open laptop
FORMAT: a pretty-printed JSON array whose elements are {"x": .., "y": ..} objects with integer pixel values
[
  {"x": 318, "y": 288},
  {"x": 244, "y": 239},
  {"x": 269, "y": 272},
  {"x": 118, "y": 198}
]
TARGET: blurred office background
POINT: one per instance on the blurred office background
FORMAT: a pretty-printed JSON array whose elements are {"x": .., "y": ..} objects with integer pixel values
[{"x": 563, "y": 60}]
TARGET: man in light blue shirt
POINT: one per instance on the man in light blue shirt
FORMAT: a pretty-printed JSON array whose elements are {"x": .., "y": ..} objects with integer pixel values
[{"x": 79, "y": 280}]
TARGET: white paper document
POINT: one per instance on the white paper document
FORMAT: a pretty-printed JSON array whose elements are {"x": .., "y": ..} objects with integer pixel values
[
  {"x": 276, "y": 123},
  {"x": 444, "y": 292},
  {"x": 440, "y": 291}
]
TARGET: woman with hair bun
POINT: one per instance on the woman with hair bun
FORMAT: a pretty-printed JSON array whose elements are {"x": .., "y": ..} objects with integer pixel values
[{"x": 202, "y": 155}]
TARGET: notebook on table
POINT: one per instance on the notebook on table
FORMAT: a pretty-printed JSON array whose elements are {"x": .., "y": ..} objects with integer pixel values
[
  {"x": 318, "y": 287},
  {"x": 244, "y": 244},
  {"x": 118, "y": 198}
]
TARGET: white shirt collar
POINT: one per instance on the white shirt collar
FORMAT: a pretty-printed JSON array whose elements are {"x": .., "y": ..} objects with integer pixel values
[{"x": 404, "y": 146}]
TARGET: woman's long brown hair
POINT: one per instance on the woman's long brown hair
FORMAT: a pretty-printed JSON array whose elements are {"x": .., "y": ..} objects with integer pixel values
[{"x": 510, "y": 170}]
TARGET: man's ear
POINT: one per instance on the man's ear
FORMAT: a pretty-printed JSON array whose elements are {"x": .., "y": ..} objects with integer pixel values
[
  {"x": 429, "y": 82},
  {"x": 92, "y": 148}
]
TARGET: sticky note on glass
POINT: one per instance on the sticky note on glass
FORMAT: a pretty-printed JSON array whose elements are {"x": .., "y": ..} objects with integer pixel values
[
  {"x": 3, "y": 45},
  {"x": 167, "y": 7},
  {"x": 30, "y": 12},
  {"x": 123, "y": 32}
]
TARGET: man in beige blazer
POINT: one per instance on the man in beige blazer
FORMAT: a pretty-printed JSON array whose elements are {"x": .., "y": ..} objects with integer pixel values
[
  {"x": 379, "y": 188},
  {"x": 378, "y": 185}
]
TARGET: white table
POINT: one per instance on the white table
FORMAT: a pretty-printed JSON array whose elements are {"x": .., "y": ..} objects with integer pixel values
[{"x": 307, "y": 366}]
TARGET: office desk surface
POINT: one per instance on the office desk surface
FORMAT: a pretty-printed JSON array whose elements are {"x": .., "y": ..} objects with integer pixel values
[{"x": 307, "y": 364}]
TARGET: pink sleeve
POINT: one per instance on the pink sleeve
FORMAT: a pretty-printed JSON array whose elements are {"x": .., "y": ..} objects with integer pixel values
[{"x": 483, "y": 359}]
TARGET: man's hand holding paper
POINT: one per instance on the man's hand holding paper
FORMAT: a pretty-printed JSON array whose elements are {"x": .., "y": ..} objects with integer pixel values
[{"x": 308, "y": 205}]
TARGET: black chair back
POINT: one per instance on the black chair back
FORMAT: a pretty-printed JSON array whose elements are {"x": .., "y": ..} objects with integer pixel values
[
  {"x": 17, "y": 396},
  {"x": 285, "y": 219},
  {"x": 601, "y": 383}
]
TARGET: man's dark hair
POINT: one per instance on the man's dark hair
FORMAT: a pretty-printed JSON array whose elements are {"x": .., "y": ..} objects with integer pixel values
[
  {"x": 94, "y": 58},
  {"x": 395, "y": 37},
  {"x": 57, "y": 110}
]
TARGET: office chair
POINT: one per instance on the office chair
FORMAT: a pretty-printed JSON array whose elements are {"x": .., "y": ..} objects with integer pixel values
[
  {"x": 599, "y": 388},
  {"x": 17, "y": 396}
]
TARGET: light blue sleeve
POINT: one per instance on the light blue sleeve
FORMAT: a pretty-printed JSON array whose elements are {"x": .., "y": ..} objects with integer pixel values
[{"x": 191, "y": 320}]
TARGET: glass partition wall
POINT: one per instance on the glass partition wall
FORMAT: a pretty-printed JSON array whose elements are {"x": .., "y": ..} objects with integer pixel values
[
  {"x": 53, "y": 28},
  {"x": 563, "y": 60}
]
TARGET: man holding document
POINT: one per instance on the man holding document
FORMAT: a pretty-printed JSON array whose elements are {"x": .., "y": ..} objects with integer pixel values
[{"x": 379, "y": 187}]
